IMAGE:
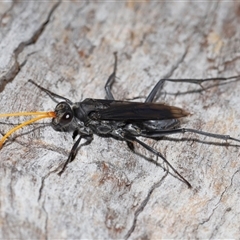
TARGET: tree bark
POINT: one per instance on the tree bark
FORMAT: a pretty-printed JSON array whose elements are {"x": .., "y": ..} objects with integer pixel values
[{"x": 109, "y": 191}]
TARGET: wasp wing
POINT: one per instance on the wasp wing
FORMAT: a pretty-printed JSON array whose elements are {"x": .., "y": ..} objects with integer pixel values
[{"x": 136, "y": 111}]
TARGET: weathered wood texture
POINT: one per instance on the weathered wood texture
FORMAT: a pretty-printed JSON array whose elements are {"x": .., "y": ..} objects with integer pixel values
[{"x": 108, "y": 191}]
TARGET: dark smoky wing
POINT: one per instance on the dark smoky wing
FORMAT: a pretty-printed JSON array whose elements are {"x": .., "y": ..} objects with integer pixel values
[{"x": 121, "y": 110}]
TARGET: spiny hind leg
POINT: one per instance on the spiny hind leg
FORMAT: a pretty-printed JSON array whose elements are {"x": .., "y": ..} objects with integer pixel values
[{"x": 111, "y": 79}]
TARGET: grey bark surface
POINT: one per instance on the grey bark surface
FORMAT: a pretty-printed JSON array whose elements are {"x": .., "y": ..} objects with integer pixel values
[{"x": 108, "y": 191}]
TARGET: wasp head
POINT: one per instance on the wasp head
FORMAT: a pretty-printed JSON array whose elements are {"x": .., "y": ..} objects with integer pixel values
[{"x": 64, "y": 117}]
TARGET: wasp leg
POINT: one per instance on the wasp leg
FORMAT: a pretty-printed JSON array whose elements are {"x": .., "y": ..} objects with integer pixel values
[
  {"x": 155, "y": 90},
  {"x": 131, "y": 146},
  {"x": 111, "y": 79},
  {"x": 161, "y": 133},
  {"x": 75, "y": 133},
  {"x": 71, "y": 156},
  {"x": 199, "y": 81},
  {"x": 158, "y": 154},
  {"x": 74, "y": 150}
]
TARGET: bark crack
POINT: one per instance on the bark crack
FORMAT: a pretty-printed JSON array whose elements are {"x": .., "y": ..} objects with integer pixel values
[
  {"x": 216, "y": 206},
  {"x": 226, "y": 211},
  {"x": 16, "y": 67},
  {"x": 176, "y": 65},
  {"x": 43, "y": 182},
  {"x": 46, "y": 221},
  {"x": 143, "y": 205}
]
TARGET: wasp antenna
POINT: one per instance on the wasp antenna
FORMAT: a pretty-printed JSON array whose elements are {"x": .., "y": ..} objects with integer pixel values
[{"x": 49, "y": 93}]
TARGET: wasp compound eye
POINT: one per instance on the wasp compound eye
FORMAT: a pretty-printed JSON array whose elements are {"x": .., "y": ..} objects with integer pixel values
[
  {"x": 63, "y": 109},
  {"x": 66, "y": 118}
]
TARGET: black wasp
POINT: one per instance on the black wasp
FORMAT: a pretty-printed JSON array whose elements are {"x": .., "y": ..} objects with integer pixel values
[{"x": 122, "y": 120}]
